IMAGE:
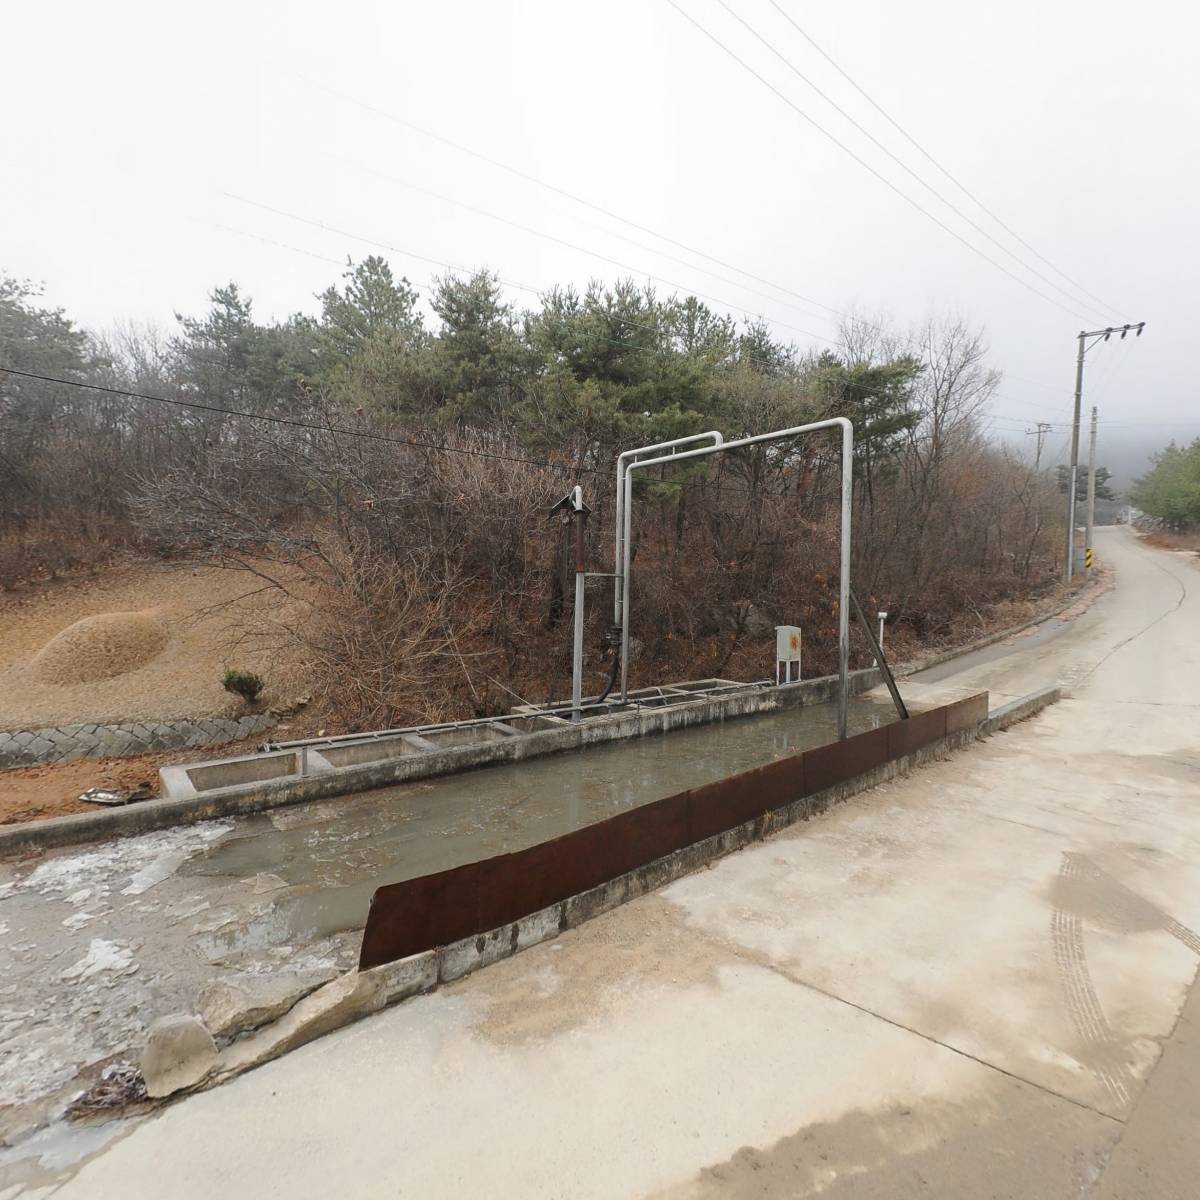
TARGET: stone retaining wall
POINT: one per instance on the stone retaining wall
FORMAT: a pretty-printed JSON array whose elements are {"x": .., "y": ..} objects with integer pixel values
[{"x": 65, "y": 743}]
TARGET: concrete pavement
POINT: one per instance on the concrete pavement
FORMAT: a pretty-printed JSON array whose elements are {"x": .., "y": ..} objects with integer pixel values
[{"x": 968, "y": 982}]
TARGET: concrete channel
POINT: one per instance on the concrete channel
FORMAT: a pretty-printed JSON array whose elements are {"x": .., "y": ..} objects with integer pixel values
[
  {"x": 102, "y": 939},
  {"x": 294, "y": 774}
]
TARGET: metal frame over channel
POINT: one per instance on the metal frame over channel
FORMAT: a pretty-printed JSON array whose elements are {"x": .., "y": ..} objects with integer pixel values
[{"x": 625, "y": 502}]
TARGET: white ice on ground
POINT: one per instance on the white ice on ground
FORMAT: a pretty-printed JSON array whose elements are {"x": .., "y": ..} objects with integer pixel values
[
  {"x": 155, "y": 872},
  {"x": 102, "y": 956},
  {"x": 79, "y": 920},
  {"x": 144, "y": 861}
]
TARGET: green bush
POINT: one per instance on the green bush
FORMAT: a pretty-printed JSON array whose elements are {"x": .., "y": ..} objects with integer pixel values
[{"x": 243, "y": 683}]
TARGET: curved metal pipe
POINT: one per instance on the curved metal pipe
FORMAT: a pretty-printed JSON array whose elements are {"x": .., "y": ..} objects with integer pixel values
[
  {"x": 844, "y": 566},
  {"x": 623, "y": 459}
]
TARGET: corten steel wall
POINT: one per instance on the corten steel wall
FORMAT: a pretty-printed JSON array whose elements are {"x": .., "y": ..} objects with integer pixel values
[{"x": 435, "y": 910}]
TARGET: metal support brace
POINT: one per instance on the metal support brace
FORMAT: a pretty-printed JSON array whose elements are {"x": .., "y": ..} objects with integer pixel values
[{"x": 877, "y": 650}]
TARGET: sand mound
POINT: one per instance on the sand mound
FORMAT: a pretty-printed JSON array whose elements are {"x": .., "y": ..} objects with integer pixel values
[{"x": 100, "y": 647}]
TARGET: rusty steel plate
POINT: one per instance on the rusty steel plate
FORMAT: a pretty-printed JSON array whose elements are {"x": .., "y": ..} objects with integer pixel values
[
  {"x": 435, "y": 910},
  {"x": 432, "y": 910},
  {"x": 919, "y": 730},
  {"x": 964, "y": 713},
  {"x": 728, "y": 803},
  {"x": 839, "y": 761}
]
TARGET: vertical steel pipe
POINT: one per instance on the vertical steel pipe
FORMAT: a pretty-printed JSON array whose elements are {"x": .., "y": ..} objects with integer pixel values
[
  {"x": 577, "y": 518},
  {"x": 843, "y": 712}
]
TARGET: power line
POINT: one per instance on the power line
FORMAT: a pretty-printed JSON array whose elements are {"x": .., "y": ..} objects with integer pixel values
[
  {"x": 913, "y": 141},
  {"x": 298, "y": 424},
  {"x": 1055, "y": 408},
  {"x": 429, "y": 286},
  {"x": 492, "y": 216},
  {"x": 559, "y": 191},
  {"x": 787, "y": 62},
  {"x": 327, "y": 428},
  {"x": 866, "y": 165},
  {"x": 603, "y": 257}
]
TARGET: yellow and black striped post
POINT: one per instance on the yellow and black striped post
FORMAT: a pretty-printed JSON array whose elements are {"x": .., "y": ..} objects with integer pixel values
[{"x": 1087, "y": 558}]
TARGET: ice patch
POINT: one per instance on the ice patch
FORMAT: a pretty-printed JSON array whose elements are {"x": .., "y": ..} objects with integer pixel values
[
  {"x": 144, "y": 860},
  {"x": 154, "y": 872},
  {"x": 102, "y": 956},
  {"x": 44, "y": 1156},
  {"x": 79, "y": 920}
]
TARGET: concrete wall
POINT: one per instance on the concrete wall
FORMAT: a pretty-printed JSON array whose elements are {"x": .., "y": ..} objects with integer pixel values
[{"x": 65, "y": 743}]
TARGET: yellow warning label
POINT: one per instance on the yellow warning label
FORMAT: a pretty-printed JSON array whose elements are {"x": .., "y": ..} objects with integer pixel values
[{"x": 1087, "y": 557}]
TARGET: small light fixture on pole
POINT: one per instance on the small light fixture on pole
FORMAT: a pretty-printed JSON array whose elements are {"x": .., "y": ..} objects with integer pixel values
[{"x": 1087, "y": 339}]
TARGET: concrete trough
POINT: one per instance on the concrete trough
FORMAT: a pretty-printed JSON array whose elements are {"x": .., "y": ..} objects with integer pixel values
[
  {"x": 470, "y": 735},
  {"x": 280, "y": 776},
  {"x": 313, "y": 772},
  {"x": 353, "y": 754},
  {"x": 473, "y": 900},
  {"x": 532, "y": 724},
  {"x": 230, "y": 772}
]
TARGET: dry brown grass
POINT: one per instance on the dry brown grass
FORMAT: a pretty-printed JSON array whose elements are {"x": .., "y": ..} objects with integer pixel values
[{"x": 1172, "y": 541}]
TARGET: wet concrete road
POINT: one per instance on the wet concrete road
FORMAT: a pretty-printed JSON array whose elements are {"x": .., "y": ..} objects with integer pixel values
[
  {"x": 968, "y": 982},
  {"x": 96, "y": 943}
]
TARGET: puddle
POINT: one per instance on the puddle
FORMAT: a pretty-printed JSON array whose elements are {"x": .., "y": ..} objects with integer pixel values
[{"x": 54, "y": 1153}]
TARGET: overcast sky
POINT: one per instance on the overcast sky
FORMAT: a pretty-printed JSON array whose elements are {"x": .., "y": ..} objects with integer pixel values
[{"x": 128, "y": 127}]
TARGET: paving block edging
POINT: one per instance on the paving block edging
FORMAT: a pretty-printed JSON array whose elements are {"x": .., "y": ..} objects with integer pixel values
[{"x": 66, "y": 743}]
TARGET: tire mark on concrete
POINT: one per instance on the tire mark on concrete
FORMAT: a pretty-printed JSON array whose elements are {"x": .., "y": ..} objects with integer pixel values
[
  {"x": 1112, "y": 905},
  {"x": 1101, "y": 1052}
]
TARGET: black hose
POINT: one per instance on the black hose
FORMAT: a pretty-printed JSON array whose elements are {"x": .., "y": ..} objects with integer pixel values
[{"x": 612, "y": 675}]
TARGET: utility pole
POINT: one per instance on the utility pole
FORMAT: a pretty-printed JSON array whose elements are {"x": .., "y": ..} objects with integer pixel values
[
  {"x": 1091, "y": 494},
  {"x": 1085, "y": 337},
  {"x": 1043, "y": 428}
]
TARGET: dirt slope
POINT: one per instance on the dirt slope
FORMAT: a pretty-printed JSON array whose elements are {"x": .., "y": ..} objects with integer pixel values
[{"x": 142, "y": 641}]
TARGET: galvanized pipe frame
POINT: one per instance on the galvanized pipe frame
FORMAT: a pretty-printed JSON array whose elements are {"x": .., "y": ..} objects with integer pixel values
[
  {"x": 561, "y": 712},
  {"x": 623, "y": 460},
  {"x": 844, "y": 565}
]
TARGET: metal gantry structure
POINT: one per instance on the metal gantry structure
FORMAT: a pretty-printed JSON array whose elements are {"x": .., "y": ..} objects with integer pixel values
[
  {"x": 623, "y": 461},
  {"x": 625, "y": 500}
]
